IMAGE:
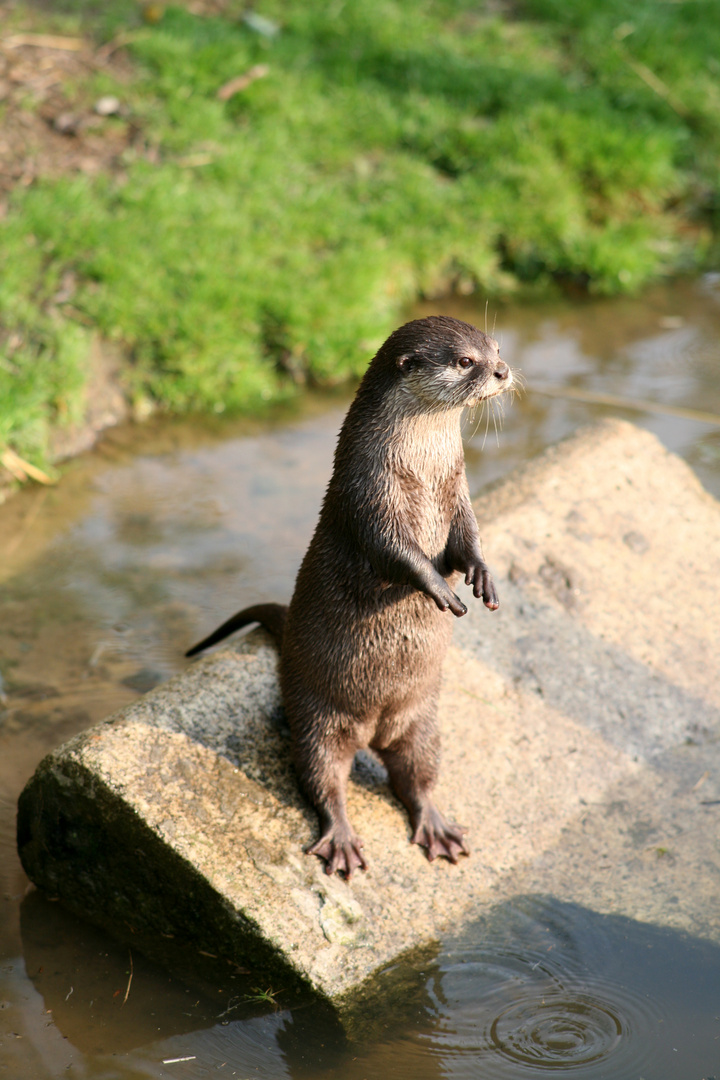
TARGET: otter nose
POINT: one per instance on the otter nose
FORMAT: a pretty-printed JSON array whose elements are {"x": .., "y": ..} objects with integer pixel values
[{"x": 501, "y": 370}]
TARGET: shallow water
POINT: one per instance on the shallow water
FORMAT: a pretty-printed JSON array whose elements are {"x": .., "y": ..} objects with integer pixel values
[
  {"x": 143, "y": 547},
  {"x": 539, "y": 988}
]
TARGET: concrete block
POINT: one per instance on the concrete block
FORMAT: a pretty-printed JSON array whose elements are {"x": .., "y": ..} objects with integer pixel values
[{"x": 580, "y": 729}]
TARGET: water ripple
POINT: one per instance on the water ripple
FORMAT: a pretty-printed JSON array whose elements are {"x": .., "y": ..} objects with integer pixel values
[
  {"x": 560, "y": 1031},
  {"x": 534, "y": 1004}
]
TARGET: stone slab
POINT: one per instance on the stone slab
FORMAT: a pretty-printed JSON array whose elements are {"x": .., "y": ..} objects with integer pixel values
[{"x": 581, "y": 745}]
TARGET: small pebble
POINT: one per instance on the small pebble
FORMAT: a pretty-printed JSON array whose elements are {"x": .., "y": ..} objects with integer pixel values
[
  {"x": 636, "y": 542},
  {"x": 143, "y": 680},
  {"x": 66, "y": 123},
  {"x": 108, "y": 105}
]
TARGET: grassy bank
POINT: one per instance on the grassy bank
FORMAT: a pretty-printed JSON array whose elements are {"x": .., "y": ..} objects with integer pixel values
[{"x": 236, "y": 248}]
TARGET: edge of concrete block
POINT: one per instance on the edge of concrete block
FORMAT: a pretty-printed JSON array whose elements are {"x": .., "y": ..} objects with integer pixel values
[{"x": 229, "y": 815}]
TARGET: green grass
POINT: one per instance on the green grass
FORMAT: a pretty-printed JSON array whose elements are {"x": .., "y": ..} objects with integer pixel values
[{"x": 396, "y": 148}]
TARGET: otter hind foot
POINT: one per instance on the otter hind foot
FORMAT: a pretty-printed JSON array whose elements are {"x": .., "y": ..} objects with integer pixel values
[
  {"x": 342, "y": 851},
  {"x": 438, "y": 836}
]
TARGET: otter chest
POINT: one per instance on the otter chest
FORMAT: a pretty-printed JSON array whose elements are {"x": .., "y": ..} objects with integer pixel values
[{"x": 429, "y": 480}]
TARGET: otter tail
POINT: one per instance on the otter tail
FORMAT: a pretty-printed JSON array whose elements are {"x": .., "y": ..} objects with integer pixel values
[{"x": 271, "y": 616}]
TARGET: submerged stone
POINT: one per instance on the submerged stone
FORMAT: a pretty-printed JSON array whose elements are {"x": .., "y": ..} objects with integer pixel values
[{"x": 580, "y": 746}]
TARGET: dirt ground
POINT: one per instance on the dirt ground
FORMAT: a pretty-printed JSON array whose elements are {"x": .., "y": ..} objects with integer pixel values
[{"x": 47, "y": 125}]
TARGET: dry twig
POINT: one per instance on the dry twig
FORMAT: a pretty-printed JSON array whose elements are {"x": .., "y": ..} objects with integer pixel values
[
  {"x": 241, "y": 82},
  {"x": 45, "y": 41},
  {"x": 127, "y": 991}
]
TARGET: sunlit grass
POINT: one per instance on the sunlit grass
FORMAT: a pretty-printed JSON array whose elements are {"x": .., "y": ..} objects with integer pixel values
[{"x": 393, "y": 149}]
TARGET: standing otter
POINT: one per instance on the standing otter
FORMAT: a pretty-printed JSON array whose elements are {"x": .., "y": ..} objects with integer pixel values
[{"x": 363, "y": 639}]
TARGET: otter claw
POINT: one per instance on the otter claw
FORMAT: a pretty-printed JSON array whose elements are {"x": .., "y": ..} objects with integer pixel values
[{"x": 489, "y": 595}]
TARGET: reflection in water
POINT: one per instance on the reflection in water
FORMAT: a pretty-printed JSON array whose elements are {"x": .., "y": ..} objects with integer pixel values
[
  {"x": 537, "y": 988},
  {"x": 165, "y": 530},
  {"x": 72, "y": 965}
]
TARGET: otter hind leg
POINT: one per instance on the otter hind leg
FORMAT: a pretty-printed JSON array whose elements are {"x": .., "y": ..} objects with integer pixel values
[
  {"x": 412, "y": 765},
  {"x": 324, "y": 772}
]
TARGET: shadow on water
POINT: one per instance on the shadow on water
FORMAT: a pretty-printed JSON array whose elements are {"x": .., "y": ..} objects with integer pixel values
[
  {"x": 544, "y": 988},
  {"x": 557, "y": 988},
  {"x": 538, "y": 987}
]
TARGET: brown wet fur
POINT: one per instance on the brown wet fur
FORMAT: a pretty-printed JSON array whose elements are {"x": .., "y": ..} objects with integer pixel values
[{"x": 366, "y": 631}]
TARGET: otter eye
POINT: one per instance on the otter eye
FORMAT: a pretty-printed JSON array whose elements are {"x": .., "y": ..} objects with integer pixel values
[{"x": 465, "y": 362}]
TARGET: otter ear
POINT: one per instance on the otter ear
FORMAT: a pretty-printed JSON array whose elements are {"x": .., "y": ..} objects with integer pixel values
[{"x": 404, "y": 362}]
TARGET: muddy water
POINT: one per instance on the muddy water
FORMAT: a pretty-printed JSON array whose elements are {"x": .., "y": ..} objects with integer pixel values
[{"x": 145, "y": 544}]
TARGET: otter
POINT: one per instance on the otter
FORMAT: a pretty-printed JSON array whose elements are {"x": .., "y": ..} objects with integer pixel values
[{"x": 363, "y": 639}]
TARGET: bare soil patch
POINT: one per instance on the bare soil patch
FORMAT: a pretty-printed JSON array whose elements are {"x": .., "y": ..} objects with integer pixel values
[{"x": 49, "y": 126}]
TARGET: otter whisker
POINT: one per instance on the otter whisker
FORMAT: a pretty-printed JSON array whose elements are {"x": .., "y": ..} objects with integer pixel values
[
  {"x": 487, "y": 424},
  {"x": 479, "y": 421},
  {"x": 519, "y": 381}
]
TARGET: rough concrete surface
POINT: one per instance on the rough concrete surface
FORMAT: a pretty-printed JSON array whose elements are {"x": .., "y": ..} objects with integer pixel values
[{"x": 580, "y": 729}]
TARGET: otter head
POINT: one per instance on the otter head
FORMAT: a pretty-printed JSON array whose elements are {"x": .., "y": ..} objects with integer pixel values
[{"x": 447, "y": 364}]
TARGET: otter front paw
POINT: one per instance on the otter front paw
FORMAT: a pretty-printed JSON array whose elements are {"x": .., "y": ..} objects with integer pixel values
[
  {"x": 342, "y": 852},
  {"x": 438, "y": 836}
]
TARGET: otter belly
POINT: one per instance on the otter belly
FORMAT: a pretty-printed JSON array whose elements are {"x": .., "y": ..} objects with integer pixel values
[{"x": 364, "y": 660}]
